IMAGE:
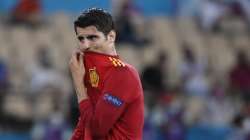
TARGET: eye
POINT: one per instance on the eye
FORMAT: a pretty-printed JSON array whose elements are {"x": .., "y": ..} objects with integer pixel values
[
  {"x": 92, "y": 37},
  {"x": 80, "y": 38}
]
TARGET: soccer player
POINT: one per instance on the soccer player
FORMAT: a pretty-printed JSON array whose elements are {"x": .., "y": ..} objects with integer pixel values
[{"x": 109, "y": 91}]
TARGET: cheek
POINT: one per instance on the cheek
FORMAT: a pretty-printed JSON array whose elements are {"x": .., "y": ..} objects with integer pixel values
[
  {"x": 93, "y": 44},
  {"x": 97, "y": 43}
]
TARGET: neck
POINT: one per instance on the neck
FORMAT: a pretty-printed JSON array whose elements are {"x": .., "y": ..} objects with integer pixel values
[{"x": 112, "y": 51}]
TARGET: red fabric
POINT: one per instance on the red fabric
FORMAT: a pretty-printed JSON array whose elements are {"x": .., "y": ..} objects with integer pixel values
[
  {"x": 100, "y": 119},
  {"x": 240, "y": 77},
  {"x": 25, "y": 7}
]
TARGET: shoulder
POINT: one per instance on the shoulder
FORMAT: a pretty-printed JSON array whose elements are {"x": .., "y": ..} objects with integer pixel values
[
  {"x": 122, "y": 70},
  {"x": 125, "y": 79}
]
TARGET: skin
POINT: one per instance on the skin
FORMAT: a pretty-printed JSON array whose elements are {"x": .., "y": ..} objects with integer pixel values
[{"x": 90, "y": 40}]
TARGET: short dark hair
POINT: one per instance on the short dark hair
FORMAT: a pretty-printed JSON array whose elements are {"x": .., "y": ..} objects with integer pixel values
[{"x": 97, "y": 17}]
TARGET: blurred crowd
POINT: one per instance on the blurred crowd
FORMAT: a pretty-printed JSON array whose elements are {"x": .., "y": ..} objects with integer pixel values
[{"x": 194, "y": 67}]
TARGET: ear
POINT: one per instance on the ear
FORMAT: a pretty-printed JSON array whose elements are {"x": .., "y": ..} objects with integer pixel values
[{"x": 112, "y": 36}]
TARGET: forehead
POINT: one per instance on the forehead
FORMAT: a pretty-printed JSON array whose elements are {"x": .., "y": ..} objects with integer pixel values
[{"x": 88, "y": 30}]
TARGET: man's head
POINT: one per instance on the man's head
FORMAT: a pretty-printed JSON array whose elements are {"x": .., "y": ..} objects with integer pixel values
[
  {"x": 97, "y": 17},
  {"x": 95, "y": 30}
]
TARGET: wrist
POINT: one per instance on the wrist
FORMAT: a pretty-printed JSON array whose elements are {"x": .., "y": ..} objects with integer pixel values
[{"x": 81, "y": 93}]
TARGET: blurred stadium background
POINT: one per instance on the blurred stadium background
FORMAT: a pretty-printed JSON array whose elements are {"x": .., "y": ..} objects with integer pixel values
[{"x": 193, "y": 57}]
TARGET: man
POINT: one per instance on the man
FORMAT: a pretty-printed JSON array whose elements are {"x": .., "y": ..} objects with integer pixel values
[{"x": 109, "y": 91}]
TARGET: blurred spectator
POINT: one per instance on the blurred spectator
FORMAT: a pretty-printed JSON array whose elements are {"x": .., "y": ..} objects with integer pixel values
[
  {"x": 240, "y": 76},
  {"x": 43, "y": 74},
  {"x": 236, "y": 8},
  {"x": 154, "y": 80},
  {"x": 193, "y": 70},
  {"x": 167, "y": 118},
  {"x": 130, "y": 25},
  {"x": 245, "y": 4},
  {"x": 219, "y": 110},
  {"x": 49, "y": 115},
  {"x": 195, "y": 109},
  {"x": 153, "y": 76},
  {"x": 56, "y": 124},
  {"x": 241, "y": 9},
  {"x": 210, "y": 14},
  {"x": 174, "y": 127},
  {"x": 27, "y": 12}
]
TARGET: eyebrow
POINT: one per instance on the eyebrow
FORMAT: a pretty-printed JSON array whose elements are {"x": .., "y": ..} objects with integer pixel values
[
  {"x": 87, "y": 35},
  {"x": 80, "y": 37},
  {"x": 91, "y": 36}
]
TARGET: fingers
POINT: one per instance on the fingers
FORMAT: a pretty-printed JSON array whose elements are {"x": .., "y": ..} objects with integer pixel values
[
  {"x": 81, "y": 59},
  {"x": 77, "y": 53},
  {"x": 77, "y": 58}
]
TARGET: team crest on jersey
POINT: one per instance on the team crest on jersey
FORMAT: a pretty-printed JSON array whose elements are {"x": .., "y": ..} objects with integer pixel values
[
  {"x": 112, "y": 100},
  {"x": 94, "y": 77}
]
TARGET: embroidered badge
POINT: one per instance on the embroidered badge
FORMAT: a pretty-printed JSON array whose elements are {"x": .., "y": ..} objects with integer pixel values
[
  {"x": 94, "y": 77},
  {"x": 112, "y": 100}
]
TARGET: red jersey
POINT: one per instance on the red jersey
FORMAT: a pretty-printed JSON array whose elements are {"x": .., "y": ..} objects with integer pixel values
[{"x": 115, "y": 107}]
